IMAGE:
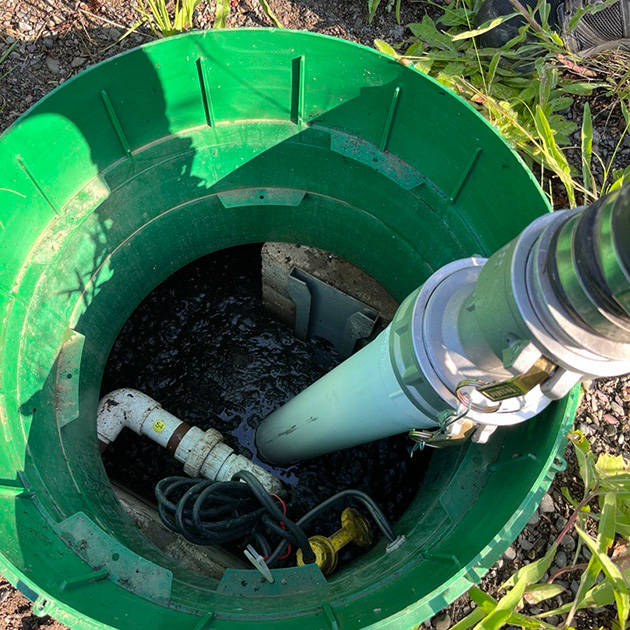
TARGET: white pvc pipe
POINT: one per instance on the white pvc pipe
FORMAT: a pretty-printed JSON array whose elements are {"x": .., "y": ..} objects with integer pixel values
[
  {"x": 359, "y": 401},
  {"x": 202, "y": 453}
]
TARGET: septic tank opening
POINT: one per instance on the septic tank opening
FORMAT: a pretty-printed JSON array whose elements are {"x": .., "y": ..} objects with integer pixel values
[{"x": 205, "y": 347}]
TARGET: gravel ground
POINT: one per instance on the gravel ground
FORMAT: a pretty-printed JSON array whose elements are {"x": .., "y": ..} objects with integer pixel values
[{"x": 58, "y": 38}]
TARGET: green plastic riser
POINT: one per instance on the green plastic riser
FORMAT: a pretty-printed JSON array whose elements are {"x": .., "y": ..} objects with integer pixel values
[{"x": 193, "y": 144}]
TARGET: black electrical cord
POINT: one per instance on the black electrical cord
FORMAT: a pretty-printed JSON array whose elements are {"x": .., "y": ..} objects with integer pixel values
[
  {"x": 219, "y": 512},
  {"x": 267, "y": 500}
]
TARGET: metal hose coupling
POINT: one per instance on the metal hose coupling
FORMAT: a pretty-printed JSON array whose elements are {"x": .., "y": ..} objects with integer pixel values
[
  {"x": 588, "y": 264},
  {"x": 481, "y": 344},
  {"x": 560, "y": 291}
]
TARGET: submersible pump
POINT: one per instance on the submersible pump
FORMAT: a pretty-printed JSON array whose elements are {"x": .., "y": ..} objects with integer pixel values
[{"x": 483, "y": 343}]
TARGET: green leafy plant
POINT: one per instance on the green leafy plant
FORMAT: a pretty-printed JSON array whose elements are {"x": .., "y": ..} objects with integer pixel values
[
  {"x": 164, "y": 22},
  {"x": 223, "y": 10},
  {"x": 391, "y": 5},
  {"x": 604, "y": 581},
  {"x": 524, "y": 88},
  {"x": 169, "y": 18},
  {"x": 611, "y": 179},
  {"x": 221, "y": 13}
]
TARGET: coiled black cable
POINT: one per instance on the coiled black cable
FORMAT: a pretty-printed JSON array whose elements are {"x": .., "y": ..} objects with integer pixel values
[
  {"x": 219, "y": 512},
  {"x": 293, "y": 532}
]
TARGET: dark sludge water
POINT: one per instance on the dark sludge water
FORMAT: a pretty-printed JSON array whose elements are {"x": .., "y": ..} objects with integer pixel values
[{"x": 203, "y": 345}]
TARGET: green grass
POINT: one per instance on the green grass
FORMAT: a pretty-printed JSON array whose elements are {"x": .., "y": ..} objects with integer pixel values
[
  {"x": 604, "y": 581},
  {"x": 525, "y": 88},
  {"x": 223, "y": 10},
  {"x": 166, "y": 18},
  {"x": 391, "y": 5}
]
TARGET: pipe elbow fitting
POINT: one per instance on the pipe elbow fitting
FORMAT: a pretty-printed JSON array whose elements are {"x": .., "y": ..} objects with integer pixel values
[{"x": 121, "y": 408}]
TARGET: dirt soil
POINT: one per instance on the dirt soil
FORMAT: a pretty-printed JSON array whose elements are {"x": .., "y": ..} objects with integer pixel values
[{"x": 58, "y": 38}]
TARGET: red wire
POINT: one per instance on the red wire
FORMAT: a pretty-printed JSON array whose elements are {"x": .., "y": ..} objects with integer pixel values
[{"x": 283, "y": 506}]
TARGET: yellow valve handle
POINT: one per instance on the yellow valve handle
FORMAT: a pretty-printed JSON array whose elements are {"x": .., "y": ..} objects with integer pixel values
[{"x": 354, "y": 529}]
